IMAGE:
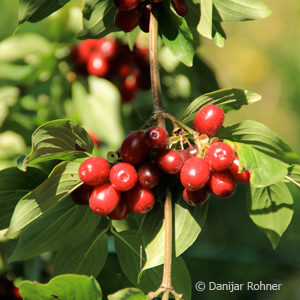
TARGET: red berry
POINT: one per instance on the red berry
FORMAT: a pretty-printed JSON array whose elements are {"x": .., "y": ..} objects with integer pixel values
[
  {"x": 104, "y": 199},
  {"x": 194, "y": 173},
  {"x": 156, "y": 138},
  {"x": 193, "y": 149},
  {"x": 82, "y": 51},
  {"x": 121, "y": 211},
  {"x": 97, "y": 65},
  {"x": 128, "y": 20},
  {"x": 129, "y": 88},
  {"x": 124, "y": 69},
  {"x": 149, "y": 175},
  {"x": 108, "y": 48},
  {"x": 170, "y": 161},
  {"x": 94, "y": 171},
  {"x": 219, "y": 156},
  {"x": 197, "y": 197},
  {"x": 180, "y": 7},
  {"x": 185, "y": 154},
  {"x": 244, "y": 176},
  {"x": 141, "y": 57},
  {"x": 133, "y": 149},
  {"x": 82, "y": 194},
  {"x": 94, "y": 138},
  {"x": 209, "y": 119},
  {"x": 222, "y": 184},
  {"x": 127, "y": 4},
  {"x": 123, "y": 176},
  {"x": 140, "y": 200}
]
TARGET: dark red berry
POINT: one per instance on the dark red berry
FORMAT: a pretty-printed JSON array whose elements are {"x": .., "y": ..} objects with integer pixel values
[
  {"x": 94, "y": 171},
  {"x": 244, "y": 176},
  {"x": 82, "y": 194},
  {"x": 194, "y": 173},
  {"x": 149, "y": 175},
  {"x": 133, "y": 149},
  {"x": 185, "y": 154},
  {"x": 180, "y": 7},
  {"x": 222, "y": 184},
  {"x": 108, "y": 48},
  {"x": 197, "y": 197},
  {"x": 141, "y": 57},
  {"x": 170, "y": 161},
  {"x": 104, "y": 199},
  {"x": 128, "y": 20},
  {"x": 127, "y": 4},
  {"x": 121, "y": 211},
  {"x": 219, "y": 156},
  {"x": 209, "y": 119},
  {"x": 145, "y": 19},
  {"x": 123, "y": 176},
  {"x": 124, "y": 69},
  {"x": 156, "y": 138},
  {"x": 129, "y": 88},
  {"x": 97, "y": 65},
  {"x": 140, "y": 200}
]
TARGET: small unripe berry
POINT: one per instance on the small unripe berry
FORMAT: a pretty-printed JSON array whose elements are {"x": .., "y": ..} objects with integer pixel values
[
  {"x": 244, "y": 176},
  {"x": 209, "y": 119},
  {"x": 123, "y": 176},
  {"x": 170, "y": 161},
  {"x": 149, "y": 175},
  {"x": 197, "y": 197},
  {"x": 222, "y": 184},
  {"x": 156, "y": 138},
  {"x": 94, "y": 171},
  {"x": 219, "y": 156}
]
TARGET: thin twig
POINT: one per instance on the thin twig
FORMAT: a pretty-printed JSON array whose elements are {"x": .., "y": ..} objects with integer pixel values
[{"x": 293, "y": 181}]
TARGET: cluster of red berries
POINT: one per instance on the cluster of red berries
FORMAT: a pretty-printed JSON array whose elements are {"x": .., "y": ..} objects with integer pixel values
[
  {"x": 112, "y": 59},
  {"x": 131, "y": 13},
  {"x": 208, "y": 167}
]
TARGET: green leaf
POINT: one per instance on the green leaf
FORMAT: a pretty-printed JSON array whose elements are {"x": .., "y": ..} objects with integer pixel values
[
  {"x": 13, "y": 72},
  {"x": 260, "y": 137},
  {"x": 59, "y": 139},
  {"x": 56, "y": 230},
  {"x": 176, "y": 34},
  {"x": 265, "y": 170},
  {"x": 271, "y": 209},
  {"x": 98, "y": 19},
  {"x": 205, "y": 25},
  {"x": 294, "y": 173},
  {"x": 131, "y": 257},
  {"x": 36, "y": 10},
  {"x": 66, "y": 287},
  {"x": 228, "y": 99},
  {"x": 87, "y": 258},
  {"x": 99, "y": 109},
  {"x": 127, "y": 294},
  {"x": 132, "y": 36},
  {"x": 14, "y": 184},
  {"x": 240, "y": 10},
  {"x": 60, "y": 183}
]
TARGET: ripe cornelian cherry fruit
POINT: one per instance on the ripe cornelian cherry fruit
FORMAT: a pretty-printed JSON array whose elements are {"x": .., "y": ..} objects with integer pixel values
[
  {"x": 123, "y": 176},
  {"x": 108, "y": 48},
  {"x": 145, "y": 18},
  {"x": 209, "y": 119},
  {"x": 244, "y": 176},
  {"x": 121, "y": 211},
  {"x": 104, "y": 199},
  {"x": 180, "y": 7},
  {"x": 129, "y": 87},
  {"x": 97, "y": 65},
  {"x": 170, "y": 161},
  {"x": 128, "y": 20},
  {"x": 194, "y": 173},
  {"x": 185, "y": 154},
  {"x": 94, "y": 171},
  {"x": 127, "y": 4},
  {"x": 149, "y": 175},
  {"x": 82, "y": 194},
  {"x": 193, "y": 150},
  {"x": 197, "y": 197},
  {"x": 156, "y": 138},
  {"x": 219, "y": 156},
  {"x": 133, "y": 149},
  {"x": 222, "y": 184},
  {"x": 140, "y": 200}
]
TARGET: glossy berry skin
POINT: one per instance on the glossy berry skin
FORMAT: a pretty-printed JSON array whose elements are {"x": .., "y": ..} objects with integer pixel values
[
  {"x": 140, "y": 200},
  {"x": 222, "y": 184},
  {"x": 244, "y": 176},
  {"x": 128, "y": 20},
  {"x": 121, "y": 211},
  {"x": 97, "y": 65},
  {"x": 197, "y": 197},
  {"x": 185, "y": 154},
  {"x": 193, "y": 150},
  {"x": 194, "y": 173},
  {"x": 180, "y": 7},
  {"x": 104, "y": 199},
  {"x": 219, "y": 156},
  {"x": 133, "y": 149},
  {"x": 156, "y": 138},
  {"x": 123, "y": 176},
  {"x": 170, "y": 161},
  {"x": 149, "y": 175},
  {"x": 127, "y": 4},
  {"x": 209, "y": 119},
  {"x": 94, "y": 171},
  {"x": 82, "y": 194}
]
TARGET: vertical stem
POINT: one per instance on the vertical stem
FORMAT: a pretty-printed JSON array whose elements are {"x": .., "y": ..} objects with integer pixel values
[{"x": 158, "y": 107}]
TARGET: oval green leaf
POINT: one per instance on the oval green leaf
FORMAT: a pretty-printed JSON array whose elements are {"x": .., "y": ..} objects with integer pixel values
[{"x": 128, "y": 294}]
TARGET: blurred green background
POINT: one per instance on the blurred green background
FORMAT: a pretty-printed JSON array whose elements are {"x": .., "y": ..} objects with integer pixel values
[{"x": 262, "y": 56}]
